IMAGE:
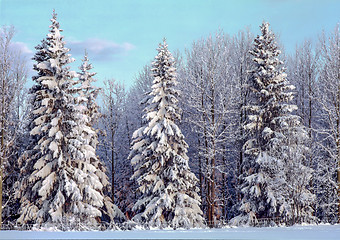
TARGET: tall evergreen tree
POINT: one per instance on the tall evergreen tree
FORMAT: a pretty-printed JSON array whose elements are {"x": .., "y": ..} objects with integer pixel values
[
  {"x": 62, "y": 178},
  {"x": 274, "y": 151},
  {"x": 84, "y": 133},
  {"x": 168, "y": 193},
  {"x": 87, "y": 90}
]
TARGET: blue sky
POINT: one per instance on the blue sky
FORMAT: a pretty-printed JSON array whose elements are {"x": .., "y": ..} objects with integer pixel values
[{"x": 122, "y": 36}]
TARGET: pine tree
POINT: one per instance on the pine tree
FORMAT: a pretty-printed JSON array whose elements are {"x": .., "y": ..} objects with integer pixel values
[
  {"x": 168, "y": 193},
  {"x": 274, "y": 151},
  {"x": 62, "y": 179}
]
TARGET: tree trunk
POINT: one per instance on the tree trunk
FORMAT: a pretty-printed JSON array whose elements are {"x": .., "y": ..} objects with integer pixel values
[
  {"x": 213, "y": 163},
  {"x": 2, "y": 148},
  {"x": 240, "y": 161},
  {"x": 208, "y": 181},
  {"x": 224, "y": 195},
  {"x": 338, "y": 149},
  {"x": 1, "y": 172},
  {"x": 200, "y": 171},
  {"x": 310, "y": 105},
  {"x": 212, "y": 187},
  {"x": 207, "y": 177},
  {"x": 338, "y": 141},
  {"x": 113, "y": 165}
]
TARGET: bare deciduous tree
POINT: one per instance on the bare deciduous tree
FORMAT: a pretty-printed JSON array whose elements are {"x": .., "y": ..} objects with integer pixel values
[
  {"x": 13, "y": 70},
  {"x": 113, "y": 108},
  {"x": 328, "y": 128}
]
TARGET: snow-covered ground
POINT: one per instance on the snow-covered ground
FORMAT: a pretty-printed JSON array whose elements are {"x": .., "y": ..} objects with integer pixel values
[{"x": 320, "y": 232}]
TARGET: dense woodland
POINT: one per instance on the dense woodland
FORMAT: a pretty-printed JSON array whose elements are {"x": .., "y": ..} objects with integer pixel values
[{"x": 233, "y": 131}]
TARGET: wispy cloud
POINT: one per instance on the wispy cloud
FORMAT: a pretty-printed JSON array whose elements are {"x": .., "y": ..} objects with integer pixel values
[
  {"x": 25, "y": 53},
  {"x": 99, "y": 49},
  {"x": 21, "y": 48}
]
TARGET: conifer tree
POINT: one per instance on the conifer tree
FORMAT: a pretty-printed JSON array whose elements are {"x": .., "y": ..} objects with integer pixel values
[
  {"x": 275, "y": 147},
  {"x": 87, "y": 95},
  {"x": 86, "y": 134},
  {"x": 168, "y": 193},
  {"x": 44, "y": 156},
  {"x": 87, "y": 90},
  {"x": 63, "y": 179}
]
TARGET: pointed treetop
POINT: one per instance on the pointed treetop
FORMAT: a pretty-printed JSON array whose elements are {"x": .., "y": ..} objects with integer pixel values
[
  {"x": 163, "y": 65},
  {"x": 55, "y": 23},
  {"x": 265, "y": 46},
  {"x": 85, "y": 55},
  {"x": 85, "y": 67},
  {"x": 265, "y": 28},
  {"x": 165, "y": 44},
  {"x": 163, "y": 47}
]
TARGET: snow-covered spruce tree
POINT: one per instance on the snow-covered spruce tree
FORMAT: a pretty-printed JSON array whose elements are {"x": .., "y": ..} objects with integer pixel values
[
  {"x": 25, "y": 192},
  {"x": 88, "y": 91},
  {"x": 62, "y": 179},
  {"x": 168, "y": 193},
  {"x": 274, "y": 151},
  {"x": 31, "y": 153},
  {"x": 86, "y": 134}
]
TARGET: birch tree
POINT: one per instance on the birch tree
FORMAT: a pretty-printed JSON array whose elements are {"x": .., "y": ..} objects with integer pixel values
[
  {"x": 114, "y": 100},
  {"x": 206, "y": 94},
  {"x": 303, "y": 69},
  {"x": 328, "y": 131},
  {"x": 241, "y": 62},
  {"x": 13, "y": 70}
]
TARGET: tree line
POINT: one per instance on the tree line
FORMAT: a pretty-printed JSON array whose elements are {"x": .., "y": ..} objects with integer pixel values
[{"x": 261, "y": 130}]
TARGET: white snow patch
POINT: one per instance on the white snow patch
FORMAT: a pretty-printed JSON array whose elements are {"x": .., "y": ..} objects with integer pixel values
[{"x": 309, "y": 232}]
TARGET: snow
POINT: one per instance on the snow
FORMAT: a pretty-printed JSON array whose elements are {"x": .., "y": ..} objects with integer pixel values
[
  {"x": 327, "y": 232},
  {"x": 50, "y": 83},
  {"x": 54, "y": 148}
]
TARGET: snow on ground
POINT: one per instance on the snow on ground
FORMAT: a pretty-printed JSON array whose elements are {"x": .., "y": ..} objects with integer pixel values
[{"x": 320, "y": 232}]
